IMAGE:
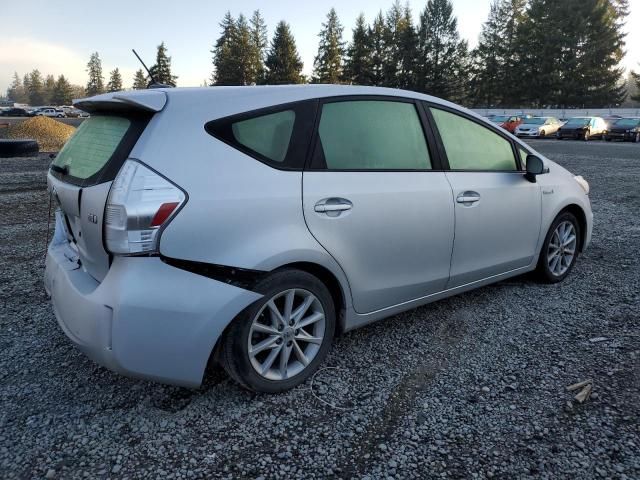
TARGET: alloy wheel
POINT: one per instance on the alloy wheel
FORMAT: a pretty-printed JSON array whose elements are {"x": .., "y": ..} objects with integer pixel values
[
  {"x": 562, "y": 248},
  {"x": 286, "y": 334}
]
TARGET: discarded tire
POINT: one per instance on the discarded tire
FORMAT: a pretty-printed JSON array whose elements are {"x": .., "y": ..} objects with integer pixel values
[{"x": 18, "y": 148}]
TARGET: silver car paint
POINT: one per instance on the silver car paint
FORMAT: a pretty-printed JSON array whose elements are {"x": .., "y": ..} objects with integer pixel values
[{"x": 245, "y": 214}]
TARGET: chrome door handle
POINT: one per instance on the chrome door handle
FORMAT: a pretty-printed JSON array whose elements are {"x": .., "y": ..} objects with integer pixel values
[
  {"x": 333, "y": 206},
  {"x": 468, "y": 198}
]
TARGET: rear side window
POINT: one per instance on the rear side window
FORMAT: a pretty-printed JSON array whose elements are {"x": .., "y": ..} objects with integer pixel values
[
  {"x": 267, "y": 135},
  {"x": 97, "y": 149},
  {"x": 278, "y": 136},
  {"x": 370, "y": 135},
  {"x": 470, "y": 146}
]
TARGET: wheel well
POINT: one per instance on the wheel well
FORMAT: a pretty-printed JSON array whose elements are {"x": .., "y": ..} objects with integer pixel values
[
  {"x": 582, "y": 221},
  {"x": 331, "y": 282}
]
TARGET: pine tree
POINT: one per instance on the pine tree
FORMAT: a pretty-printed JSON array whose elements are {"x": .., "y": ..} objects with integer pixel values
[
  {"x": 36, "y": 88},
  {"x": 243, "y": 53},
  {"x": 328, "y": 64},
  {"x": 139, "y": 80},
  {"x": 636, "y": 79},
  {"x": 377, "y": 36},
  {"x": 392, "y": 46},
  {"x": 223, "y": 61},
  {"x": 62, "y": 92},
  {"x": 16, "y": 91},
  {"x": 408, "y": 51},
  {"x": 48, "y": 87},
  {"x": 443, "y": 68},
  {"x": 283, "y": 61},
  {"x": 161, "y": 71},
  {"x": 95, "y": 85},
  {"x": 259, "y": 45},
  {"x": 358, "y": 62},
  {"x": 115, "y": 81}
]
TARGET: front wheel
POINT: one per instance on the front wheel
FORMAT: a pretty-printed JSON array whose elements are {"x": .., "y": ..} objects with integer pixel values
[
  {"x": 637, "y": 139},
  {"x": 281, "y": 339},
  {"x": 587, "y": 136},
  {"x": 560, "y": 249}
]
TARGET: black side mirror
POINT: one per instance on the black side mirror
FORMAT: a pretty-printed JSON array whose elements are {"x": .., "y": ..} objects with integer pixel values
[{"x": 535, "y": 166}]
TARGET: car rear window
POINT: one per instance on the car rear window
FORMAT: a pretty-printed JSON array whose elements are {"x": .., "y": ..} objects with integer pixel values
[
  {"x": 97, "y": 149},
  {"x": 268, "y": 135}
]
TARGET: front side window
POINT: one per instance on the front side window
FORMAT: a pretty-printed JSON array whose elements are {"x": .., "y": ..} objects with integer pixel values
[
  {"x": 370, "y": 135},
  {"x": 470, "y": 146}
]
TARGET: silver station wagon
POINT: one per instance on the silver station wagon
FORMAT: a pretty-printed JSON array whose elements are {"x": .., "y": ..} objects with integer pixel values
[{"x": 251, "y": 225}]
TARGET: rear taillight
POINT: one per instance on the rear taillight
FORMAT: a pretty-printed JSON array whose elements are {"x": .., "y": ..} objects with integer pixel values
[{"x": 140, "y": 202}]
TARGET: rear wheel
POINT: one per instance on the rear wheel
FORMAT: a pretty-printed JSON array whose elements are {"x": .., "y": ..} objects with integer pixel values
[
  {"x": 587, "y": 136},
  {"x": 560, "y": 249},
  {"x": 543, "y": 134},
  {"x": 277, "y": 342}
]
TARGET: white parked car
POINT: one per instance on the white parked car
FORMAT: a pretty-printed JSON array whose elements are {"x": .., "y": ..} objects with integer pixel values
[
  {"x": 251, "y": 225},
  {"x": 51, "y": 112},
  {"x": 538, "y": 127}
]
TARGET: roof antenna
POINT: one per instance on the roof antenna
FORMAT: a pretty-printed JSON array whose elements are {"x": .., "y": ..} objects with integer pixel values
[{"x": 153, "y": 83}]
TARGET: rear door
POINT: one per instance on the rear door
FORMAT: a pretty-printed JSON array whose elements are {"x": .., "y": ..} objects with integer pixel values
[
  {"x": 497, "y": 211},
  {"x": 372, "y": 196},
  {"x": 80, "y": 178}
]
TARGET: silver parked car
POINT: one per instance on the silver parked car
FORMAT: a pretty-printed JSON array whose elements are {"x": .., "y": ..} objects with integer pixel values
[
  {"x": 250, "y": 225},
  {"x": 538, "y": 127}
]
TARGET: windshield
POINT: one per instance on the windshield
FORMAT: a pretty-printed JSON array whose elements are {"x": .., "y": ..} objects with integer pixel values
[
  {"x": 500, "y": 118},
  {"x": 627, "y": 122},
  {"x": 578, "y": 121},
  {"x": 535, "y": 121}
]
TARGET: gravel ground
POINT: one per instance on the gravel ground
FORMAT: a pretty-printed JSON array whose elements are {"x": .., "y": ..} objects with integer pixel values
[{"x": 469, "y": 387}]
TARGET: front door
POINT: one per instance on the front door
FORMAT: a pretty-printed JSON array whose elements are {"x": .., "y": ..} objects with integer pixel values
[
  {"x": 373, "y": 201},
  {"x": 497, "y": 211}
]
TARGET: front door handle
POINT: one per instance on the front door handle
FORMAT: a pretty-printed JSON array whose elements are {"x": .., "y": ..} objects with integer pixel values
[
  {"x": 468, "y": 198},
  {"x": 333, "y": 206}
]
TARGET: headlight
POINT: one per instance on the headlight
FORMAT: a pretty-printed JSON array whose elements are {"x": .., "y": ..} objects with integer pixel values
[
  {"x": 583, "y": 183},
  {"x": 629, "y": 131}
]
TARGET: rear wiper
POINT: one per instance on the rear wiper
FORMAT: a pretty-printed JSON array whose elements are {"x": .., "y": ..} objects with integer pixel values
[{"x": 63, "y": 170}]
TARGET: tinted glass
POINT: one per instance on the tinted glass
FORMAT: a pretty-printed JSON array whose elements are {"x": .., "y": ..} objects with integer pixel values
[
  {"x": 470, "y": 146},
  {"x": 268, "y": 135},
  {"x": 578, "y": 121},
  {"x": 523, "y": 158},
  {"x": 371, "y": 135},
  {"x": 627, "y": 123},
  {"x": 92, "y": 145}
]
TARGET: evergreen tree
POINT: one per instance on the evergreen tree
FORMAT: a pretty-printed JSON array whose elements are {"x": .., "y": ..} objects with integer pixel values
[
  {"x": 48, "y": 88},
  {"x": 161, "y": 71},
  {"x": 283, "y": 61},
  {"x": 115, "y": 81},
  {"x": 36, "y": 88},
  {"x": 243, "y": 53},
  {"x": 223, "y": 61},
  {"x": 443, "y": 68},
  {"x": 95, "y": 85},
  {"x": 327, "y": 66},
  {"x": 78, "y": 91},
  {"x": 358, "y": 62},
  {"x": 377, "y": 36},
  {"x": 408, "y": 51},
  {"x": 259, "y": 45},
  {"x": 636, "y": 79},
  {"x": 62, "y": 92},
  {"x": 392, "y": 46},
  {"x": 139, "y": 80},
  {"x": 16, "y": 91}
]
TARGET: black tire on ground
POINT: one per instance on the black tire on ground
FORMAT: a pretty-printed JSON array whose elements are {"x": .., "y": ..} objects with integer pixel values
[
  {"x": 543, "y": 271},
  {"x": 234, "y": 354},
  {"x": 637, "y": 139},
  {"x": 607, "y": 138},
  {"x": 543, "y": 134},
  {"x": 587, "y": 136},
  {"x": 18, "y": 148}
]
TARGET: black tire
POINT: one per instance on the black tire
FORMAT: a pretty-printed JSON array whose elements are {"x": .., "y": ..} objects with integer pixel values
[
  {"x": 234, "y": 346},
  {"x": 637, "y": 138},
  {"x": 18, "y": 148},
  {"x": 587, "y": 136},
  {"x": 543, "y": 134},
  {"x": 607, "y": 138},
  {"x": 543, "y": 271}
]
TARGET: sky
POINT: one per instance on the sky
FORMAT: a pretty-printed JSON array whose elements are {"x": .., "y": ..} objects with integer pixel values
[{"x": 58, "y": 36}]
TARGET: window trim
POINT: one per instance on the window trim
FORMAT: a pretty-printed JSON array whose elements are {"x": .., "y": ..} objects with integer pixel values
[
  {"x": 298, "y": 149},
  {"x": 434, "y": 156},
  {"x": 495, "y": 129}
]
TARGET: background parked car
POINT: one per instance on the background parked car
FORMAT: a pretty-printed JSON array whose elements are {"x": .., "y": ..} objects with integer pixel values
[
  {"x": 16, "y": 112},
  {"x": 583, "y": 128},
  {"x": 537, "y": 127},
  {"x": 625, "y": 129},
  {"x": 51, "y": 112},
  {"x": 508, "y": 122}
]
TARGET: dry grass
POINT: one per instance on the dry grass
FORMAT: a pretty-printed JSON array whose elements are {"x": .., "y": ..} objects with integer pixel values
[{"x": 50, "y": 134}]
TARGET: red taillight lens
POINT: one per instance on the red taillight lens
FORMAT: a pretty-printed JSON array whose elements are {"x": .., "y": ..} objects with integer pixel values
[{"x": 163, "y": 213}]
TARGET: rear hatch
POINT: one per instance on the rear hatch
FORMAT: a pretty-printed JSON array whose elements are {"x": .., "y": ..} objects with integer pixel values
[{"x": 81, "y": 175}]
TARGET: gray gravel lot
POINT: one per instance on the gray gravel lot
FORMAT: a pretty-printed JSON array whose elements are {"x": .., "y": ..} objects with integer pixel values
[{"x": 469, "y": 387}]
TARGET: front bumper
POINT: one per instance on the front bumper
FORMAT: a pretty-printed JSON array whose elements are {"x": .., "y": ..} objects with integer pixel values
[
  {"x": 529, "y": 134},
  {"x": 145, "y": 319},
  {"x": 621, "y": 136}
]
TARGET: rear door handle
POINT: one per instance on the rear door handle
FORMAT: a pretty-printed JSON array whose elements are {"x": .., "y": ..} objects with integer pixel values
[
  {"x": 333, "y": 206},
  {"x": 468, "y": 198}
]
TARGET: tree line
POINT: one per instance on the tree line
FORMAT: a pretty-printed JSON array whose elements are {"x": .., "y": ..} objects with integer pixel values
[{"x": 531, "y": 53}]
